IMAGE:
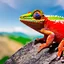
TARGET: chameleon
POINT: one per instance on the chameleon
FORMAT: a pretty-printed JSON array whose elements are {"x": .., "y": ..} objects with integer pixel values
[{"x": 51, "y": 26}]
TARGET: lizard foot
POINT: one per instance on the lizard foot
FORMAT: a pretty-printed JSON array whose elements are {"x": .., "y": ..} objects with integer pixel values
[
  {"x": 57, "y": 58},
  {"x": 41, "y": 47},
  {"x": 62, "y": 59}
]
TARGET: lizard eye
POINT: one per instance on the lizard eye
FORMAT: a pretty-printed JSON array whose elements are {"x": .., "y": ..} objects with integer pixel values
[{"x": 37, "y": 16}]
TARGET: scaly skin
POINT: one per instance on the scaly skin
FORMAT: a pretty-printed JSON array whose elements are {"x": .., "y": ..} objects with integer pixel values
[{"x": 52, "y": 26}]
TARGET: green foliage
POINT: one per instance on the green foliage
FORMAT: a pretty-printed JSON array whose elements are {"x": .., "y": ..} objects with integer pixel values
[
  {"x": 20, "y": 39},
  {"x": 2, "y": 61}
]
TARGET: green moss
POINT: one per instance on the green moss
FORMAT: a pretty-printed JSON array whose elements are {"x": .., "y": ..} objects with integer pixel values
[{"x": 2, "y": 61}]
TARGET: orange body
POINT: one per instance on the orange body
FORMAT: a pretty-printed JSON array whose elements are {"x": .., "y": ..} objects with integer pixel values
[
  {"x": 55, "y": 32},
  {"x": 57, "y": 28}
]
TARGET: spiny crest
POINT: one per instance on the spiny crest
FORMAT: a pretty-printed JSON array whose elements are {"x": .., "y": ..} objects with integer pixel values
[{"x": 55, "y": 17}]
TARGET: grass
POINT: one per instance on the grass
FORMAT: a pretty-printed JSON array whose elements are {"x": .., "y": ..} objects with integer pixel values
[
  {"x": 2, "y": 61},
  {"x": 20, "y": 39}
]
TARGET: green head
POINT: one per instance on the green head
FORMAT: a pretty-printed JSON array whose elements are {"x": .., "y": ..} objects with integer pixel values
[{"x": 33, "y": 19}]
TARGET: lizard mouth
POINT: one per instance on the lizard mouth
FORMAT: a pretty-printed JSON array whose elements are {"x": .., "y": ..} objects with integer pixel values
[{"x": 34, "y": 25}]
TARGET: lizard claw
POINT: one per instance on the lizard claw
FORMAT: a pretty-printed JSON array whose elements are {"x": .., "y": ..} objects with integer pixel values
[
  {"x": 62, "y": 59},
  {"x": 57, "y": 58},
  {"x": 37, "y": 39},
  {"x": 40, "y": 48}
]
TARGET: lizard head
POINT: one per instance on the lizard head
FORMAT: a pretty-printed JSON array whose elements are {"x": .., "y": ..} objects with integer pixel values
[{"x": 33, "y": 19}]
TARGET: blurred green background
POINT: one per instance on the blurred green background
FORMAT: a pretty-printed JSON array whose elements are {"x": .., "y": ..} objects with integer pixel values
[{"x": 10, "y": 42}]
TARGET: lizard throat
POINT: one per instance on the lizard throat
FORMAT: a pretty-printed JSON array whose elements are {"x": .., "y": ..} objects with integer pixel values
[{"x": 34, "y": 25}]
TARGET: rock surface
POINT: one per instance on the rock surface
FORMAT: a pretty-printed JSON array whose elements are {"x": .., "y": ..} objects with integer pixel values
[{"x": 29, "y": 55}]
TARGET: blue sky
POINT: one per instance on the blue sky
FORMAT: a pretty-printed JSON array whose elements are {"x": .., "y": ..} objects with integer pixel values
[{"x": 10, "y": 10}]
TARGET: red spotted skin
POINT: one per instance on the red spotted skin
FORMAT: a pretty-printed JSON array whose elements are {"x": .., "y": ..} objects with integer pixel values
[{"x": 56, "y": 27}]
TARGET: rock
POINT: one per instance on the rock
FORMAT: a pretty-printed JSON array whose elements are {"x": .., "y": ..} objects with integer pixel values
[{"x": 29, "y": 55}]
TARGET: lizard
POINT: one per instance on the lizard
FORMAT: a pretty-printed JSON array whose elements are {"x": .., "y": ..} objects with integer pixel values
[{"x": 51, "y": 26}]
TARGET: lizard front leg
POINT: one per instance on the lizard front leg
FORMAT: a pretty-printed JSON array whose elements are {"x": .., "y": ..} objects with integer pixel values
[{"x": 49, "y": 39}]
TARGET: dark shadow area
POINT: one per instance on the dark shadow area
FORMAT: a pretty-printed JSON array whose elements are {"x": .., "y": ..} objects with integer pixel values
[{"x": 53, "y": 47}]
